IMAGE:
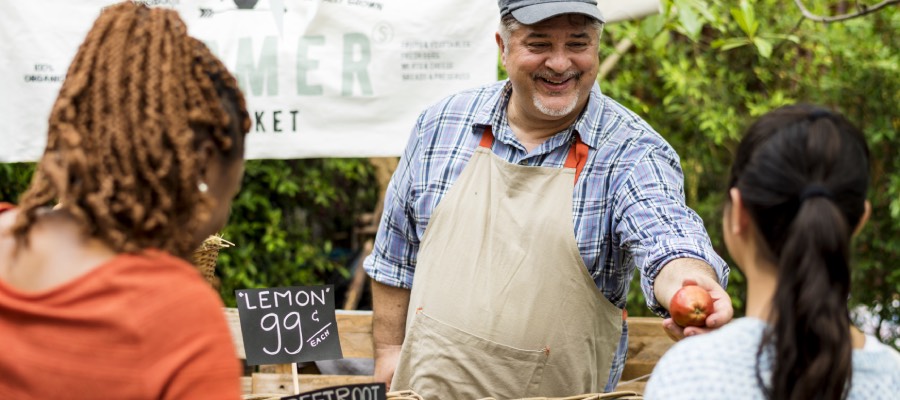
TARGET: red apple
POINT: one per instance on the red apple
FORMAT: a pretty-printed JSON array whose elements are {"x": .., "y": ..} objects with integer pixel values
[{"x": 690, "y": 306}]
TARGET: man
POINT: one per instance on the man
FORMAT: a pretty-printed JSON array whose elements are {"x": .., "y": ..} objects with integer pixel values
[{"x": 515, "y": 221}]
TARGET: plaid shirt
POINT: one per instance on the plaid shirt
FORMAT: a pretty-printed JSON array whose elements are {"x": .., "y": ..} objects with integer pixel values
[{"x": 628, "y": 203}]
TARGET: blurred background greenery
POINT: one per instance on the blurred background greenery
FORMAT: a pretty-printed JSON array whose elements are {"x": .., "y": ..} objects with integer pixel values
[
  {"x": 702, "y": 70},
  {"x": 699, "y": 73}
]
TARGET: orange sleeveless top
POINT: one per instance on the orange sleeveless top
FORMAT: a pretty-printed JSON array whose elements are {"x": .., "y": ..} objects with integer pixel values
[{"x": 137, "y": 327}]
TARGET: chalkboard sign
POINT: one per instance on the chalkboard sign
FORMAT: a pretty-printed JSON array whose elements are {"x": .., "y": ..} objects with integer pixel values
[
  {"x": 288, "y": 324},
  {"x": 368, "y": 391}
]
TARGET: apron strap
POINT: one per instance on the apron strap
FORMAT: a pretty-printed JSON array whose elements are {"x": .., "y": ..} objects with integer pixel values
[
  {"x": 577, "y": 153},
  {"x": 577, "y": 156},
  {"x": 487, "y": 138}
]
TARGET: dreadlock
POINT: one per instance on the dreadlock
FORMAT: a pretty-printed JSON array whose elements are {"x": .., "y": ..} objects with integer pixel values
[{"x": 121, "y": 155}]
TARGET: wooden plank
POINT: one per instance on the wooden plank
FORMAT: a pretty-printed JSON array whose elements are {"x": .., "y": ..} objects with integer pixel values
[
  {"x": 261, "y": 396},
  {"x": 355, "y": 329},
  {"x": 246, "y": 385},
  {"x": 647, "y": 342},
  {"x": 275, "y": 368},
  {"x": 234, "y": 325},
  {"x": 282, "y": 384},
  {"x": 646, "y": 326}
]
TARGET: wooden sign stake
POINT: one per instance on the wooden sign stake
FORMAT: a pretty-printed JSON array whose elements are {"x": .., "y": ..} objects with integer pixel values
[{"x": 296, "y": 378}]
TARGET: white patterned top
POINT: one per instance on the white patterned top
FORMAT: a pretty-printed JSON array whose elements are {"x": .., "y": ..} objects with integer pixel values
[{"x": 722, "y": 365}]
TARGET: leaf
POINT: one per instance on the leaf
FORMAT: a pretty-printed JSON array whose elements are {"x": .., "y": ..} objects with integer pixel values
[
  {"x": 749, "y": 17},
  {"x": 764, "y": 46},
  {"x": 745, "y": 19},
  {"x": 660, "y": 42},
  {"x": 690, "y": 21},
  {"x": 790, "y": 38},
  {"x": 652, "y": 25},
  {"x": 703, "y": 9},
  {"x": 728, "y": 44}
]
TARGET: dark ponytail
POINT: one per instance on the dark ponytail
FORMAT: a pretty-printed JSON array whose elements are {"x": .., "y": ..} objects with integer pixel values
[{"x": 803, "y": 172}]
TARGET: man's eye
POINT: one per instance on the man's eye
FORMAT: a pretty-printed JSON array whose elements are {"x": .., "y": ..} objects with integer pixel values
[
  {"x": 538, "y": 45},
  {"x": 578, "y": 45}
]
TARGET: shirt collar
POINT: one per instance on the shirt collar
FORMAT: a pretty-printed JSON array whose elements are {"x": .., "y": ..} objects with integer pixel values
[{"x": 493, "y": 113}]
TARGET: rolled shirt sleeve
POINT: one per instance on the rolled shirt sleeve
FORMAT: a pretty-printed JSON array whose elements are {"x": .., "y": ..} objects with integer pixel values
[
  {"x": 656, "y": 226},
  {"x": 393, "y": 258}
]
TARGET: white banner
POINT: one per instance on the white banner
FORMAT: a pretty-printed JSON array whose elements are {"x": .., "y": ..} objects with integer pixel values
[
  {"x": 323, "y": 78},
  {"x": 618, "y": 10},
  {"x": 344, "y": 78}
]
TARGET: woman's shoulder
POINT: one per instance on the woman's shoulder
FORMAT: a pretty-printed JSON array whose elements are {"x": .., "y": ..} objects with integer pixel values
[
  {"x": 734, "y": 338},
  {"x": 878, "y": 357},
  {"x": 726, "y": 356},
  {"x": 876, "y": 371}
]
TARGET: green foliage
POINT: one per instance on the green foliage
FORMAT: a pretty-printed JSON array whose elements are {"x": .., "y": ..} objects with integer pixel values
[
  {"x": 292, "y": 222},
  {"x": 703, "y": 70},
  {"x": 14, "y": 179}
]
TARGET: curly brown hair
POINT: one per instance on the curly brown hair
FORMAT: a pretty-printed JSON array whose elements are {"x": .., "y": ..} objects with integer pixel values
[{"x": 139, "y": 98}]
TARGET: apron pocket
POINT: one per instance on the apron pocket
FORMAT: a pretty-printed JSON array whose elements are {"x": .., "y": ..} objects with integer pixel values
[{"x": 440, "y": 361}]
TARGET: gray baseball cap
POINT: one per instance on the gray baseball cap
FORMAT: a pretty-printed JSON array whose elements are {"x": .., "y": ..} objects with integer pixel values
[{"x": 533, "y": 11}]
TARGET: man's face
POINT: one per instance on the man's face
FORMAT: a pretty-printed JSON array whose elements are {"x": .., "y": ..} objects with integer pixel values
[{"x": 552, "y": 65}]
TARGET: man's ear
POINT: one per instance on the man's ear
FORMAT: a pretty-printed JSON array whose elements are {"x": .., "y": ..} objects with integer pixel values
[
  {"x": 865, "y": 218},
  {"x": 502, "y": 47}
]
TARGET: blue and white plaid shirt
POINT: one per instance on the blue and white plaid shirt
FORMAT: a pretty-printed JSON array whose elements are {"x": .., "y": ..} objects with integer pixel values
[{"x": 628, "y": 203}]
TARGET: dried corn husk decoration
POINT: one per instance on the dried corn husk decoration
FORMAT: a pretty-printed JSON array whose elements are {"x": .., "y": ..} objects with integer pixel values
[{"x": 207, "y": 254}]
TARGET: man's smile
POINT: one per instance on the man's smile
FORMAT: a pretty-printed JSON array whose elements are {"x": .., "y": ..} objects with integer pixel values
[{"x": 555, "y": 83}]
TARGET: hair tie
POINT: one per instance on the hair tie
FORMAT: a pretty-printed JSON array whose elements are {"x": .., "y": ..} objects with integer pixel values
[
  {"x": 815, "y": 191},
  {"x": 818, "y": 113}
]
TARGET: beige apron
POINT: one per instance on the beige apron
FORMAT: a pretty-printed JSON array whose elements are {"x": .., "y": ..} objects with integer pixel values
[{"x": 502, "y": 304}]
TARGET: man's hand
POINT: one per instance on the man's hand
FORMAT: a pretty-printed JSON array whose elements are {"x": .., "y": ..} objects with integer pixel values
[
  {"x": 386, "y": 358},
  {"x": 389, "y": 305},
  {"x": 722, "y": 312},
  {"x": 682, "y": 272}
]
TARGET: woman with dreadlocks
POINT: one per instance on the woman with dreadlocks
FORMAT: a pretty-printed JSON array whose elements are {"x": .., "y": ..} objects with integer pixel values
[
  {"x": 144, "y": 153},
  {"x": 796, "y": 198}
]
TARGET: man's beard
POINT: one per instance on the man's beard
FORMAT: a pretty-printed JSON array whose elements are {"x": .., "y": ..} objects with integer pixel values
[{"x": 559, "y": 111}]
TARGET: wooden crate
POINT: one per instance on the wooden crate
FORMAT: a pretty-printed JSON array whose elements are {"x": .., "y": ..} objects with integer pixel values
[{"x": 646, "y": 344}]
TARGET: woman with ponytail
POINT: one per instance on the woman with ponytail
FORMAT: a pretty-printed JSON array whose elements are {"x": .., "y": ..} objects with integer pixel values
[{"x": 797, "y": 196}]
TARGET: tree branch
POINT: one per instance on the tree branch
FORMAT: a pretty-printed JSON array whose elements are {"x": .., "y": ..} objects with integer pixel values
[
  {"x": 863, "y": 10},
  {"x": 610, "y": 62}
]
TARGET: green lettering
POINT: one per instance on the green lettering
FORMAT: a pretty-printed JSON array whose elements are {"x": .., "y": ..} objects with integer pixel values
[
  {"x": 262, "y": 75},
  {"x": 306, "y": 64},
  {"x": 356, "y": 66}
]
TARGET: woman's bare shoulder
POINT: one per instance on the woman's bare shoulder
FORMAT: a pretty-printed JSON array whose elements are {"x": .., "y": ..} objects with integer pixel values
[{"x": 55, "y": 252}]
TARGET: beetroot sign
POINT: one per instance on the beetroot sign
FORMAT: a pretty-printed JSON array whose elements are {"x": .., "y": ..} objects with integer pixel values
[{"x": 367, "y": 391}]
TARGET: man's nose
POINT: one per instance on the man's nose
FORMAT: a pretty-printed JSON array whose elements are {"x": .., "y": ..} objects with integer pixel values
[{"x": 558, "y": 61}]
